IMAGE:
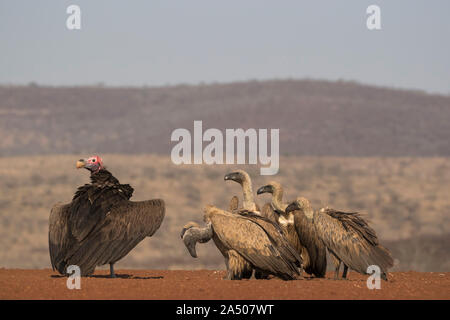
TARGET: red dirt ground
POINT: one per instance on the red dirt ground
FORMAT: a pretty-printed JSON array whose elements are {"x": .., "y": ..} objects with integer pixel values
[{"x": 208, "y": 284}]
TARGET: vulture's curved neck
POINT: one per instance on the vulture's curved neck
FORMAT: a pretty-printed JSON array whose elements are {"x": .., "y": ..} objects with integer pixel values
[
  {"x": 249, "y": 202},
  {"x": 277, "y": 199},
  {"x": 309, "y": 213},
  {"x": 103, "y": 176}
]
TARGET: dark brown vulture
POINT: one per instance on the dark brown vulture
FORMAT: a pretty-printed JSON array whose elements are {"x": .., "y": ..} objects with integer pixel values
[
  {"x": 348, "y": 238},
  {"x": 100, "y": 226},
  {"x": 247, "y": 242},
  {"x": 299, "y": 231}
]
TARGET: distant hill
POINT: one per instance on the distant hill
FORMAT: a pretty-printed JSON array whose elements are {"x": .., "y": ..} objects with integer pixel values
[{"x": 315, "y": 118}]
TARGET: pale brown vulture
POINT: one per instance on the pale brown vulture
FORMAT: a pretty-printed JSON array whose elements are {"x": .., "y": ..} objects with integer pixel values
[
  {"x": 299, "y": 231},
  {"x": 348, "y": 238},
  {"x": 244, "y": 180},
  {"x": 249, "y": 205},
  {"x": 100, "y": 226},
  {"x": 247, "y": 242}
]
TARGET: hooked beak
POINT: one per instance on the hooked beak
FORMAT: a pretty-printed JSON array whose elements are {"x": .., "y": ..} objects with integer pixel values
[
  {"x": 263, "y": 189},
  {"x": 230, "y": 176},
  {"x": 183, "y": 232},
  {"x": 81, "y": 163},
  {"x": 291, "y": 207}
]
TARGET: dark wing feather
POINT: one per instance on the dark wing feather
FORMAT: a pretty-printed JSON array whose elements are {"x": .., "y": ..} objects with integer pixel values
[
  {"x": 114, "y": 236},
  {"x": 355, "y": 221},
  {"x": 58, "y": 235},
  {"x": 346, "y": 241},
  {"x": 277, "y": 236},
  {"x": 309, "y": 239},
  {"x": 91, "y": 204}
]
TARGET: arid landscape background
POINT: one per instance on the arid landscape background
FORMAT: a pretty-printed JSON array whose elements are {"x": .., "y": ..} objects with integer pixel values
[{"x": 383, "y": 152}]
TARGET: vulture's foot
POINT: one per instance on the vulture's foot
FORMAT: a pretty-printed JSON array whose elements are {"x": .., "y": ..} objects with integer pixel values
[
  {"x": 344, "y": 274},
  {"x": 111, "y": 271}
]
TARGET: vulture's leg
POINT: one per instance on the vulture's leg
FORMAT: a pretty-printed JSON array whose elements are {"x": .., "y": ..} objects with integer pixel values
[
  {"x": 111, "y": 270},
  {"x": 227, "y": 265},
  {"x": 337, "y": 265},
  {"x": 344, "y": 274},
  {"x": 261, "y": 275},
  {"x": 300, "y": 276},
  {"x": 228, "y": 276},
  {"x": 247, "y": 270},
  {"x": 336, "y": 270}
]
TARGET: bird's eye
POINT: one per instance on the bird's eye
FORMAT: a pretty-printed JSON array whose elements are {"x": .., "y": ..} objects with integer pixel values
[{"x": 93, "y": 160}]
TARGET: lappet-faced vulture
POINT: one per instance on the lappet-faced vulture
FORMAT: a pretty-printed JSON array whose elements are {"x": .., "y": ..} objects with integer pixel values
[
  {"x": 348, "y": 238},
  {"x": 100, "y": 226},
  {"x": 247, "y": 242},
  {"x": 299, "y": 230}
]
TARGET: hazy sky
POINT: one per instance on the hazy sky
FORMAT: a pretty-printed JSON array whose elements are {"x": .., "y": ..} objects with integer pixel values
[{"x": 169, "y": 42}]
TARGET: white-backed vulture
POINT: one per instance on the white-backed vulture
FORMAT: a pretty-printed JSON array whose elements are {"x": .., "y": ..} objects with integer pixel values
[
  {"x": 100, "y": 226},
  {"x": 247, "y": 242},
  {"x": 244, "y": 180},
  {"x": 249, "y": 205},
  {"x": 299, "y": 231},
  {"x": 347, "y": 237}
]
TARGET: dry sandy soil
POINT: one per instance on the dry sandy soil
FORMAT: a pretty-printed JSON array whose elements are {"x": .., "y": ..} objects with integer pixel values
[{"x": 208, "y": 284}]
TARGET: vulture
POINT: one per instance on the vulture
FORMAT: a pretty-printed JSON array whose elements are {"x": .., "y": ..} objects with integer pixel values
[
  {"x": 347, "y": 236},
  {"x": 244, "y": 180},
  {"x": 299, "y": 231},
  {"x": 248, "y": 241},
  {"x": 100, "y": 226},
  {"x": 249, "y": 205}
]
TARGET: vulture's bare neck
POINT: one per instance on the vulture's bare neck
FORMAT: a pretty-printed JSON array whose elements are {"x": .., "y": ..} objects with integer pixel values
[
  {"x": 277, "y": 199},
  {"x": 249, "y": 202}
]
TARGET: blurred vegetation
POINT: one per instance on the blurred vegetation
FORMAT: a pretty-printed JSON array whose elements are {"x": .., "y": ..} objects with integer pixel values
[
  {"x": 322, "y": 118},
  {"x": 406, "y": 199}
]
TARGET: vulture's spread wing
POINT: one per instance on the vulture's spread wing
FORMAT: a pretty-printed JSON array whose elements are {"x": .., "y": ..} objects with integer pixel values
[
  {"x": 115, "y": 233},
  {"x": 118, "y": 233},
  {"x": 58, "y": 236}
]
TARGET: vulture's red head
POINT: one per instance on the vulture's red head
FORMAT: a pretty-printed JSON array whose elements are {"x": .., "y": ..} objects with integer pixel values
[{"x": 94, "y": 164}]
